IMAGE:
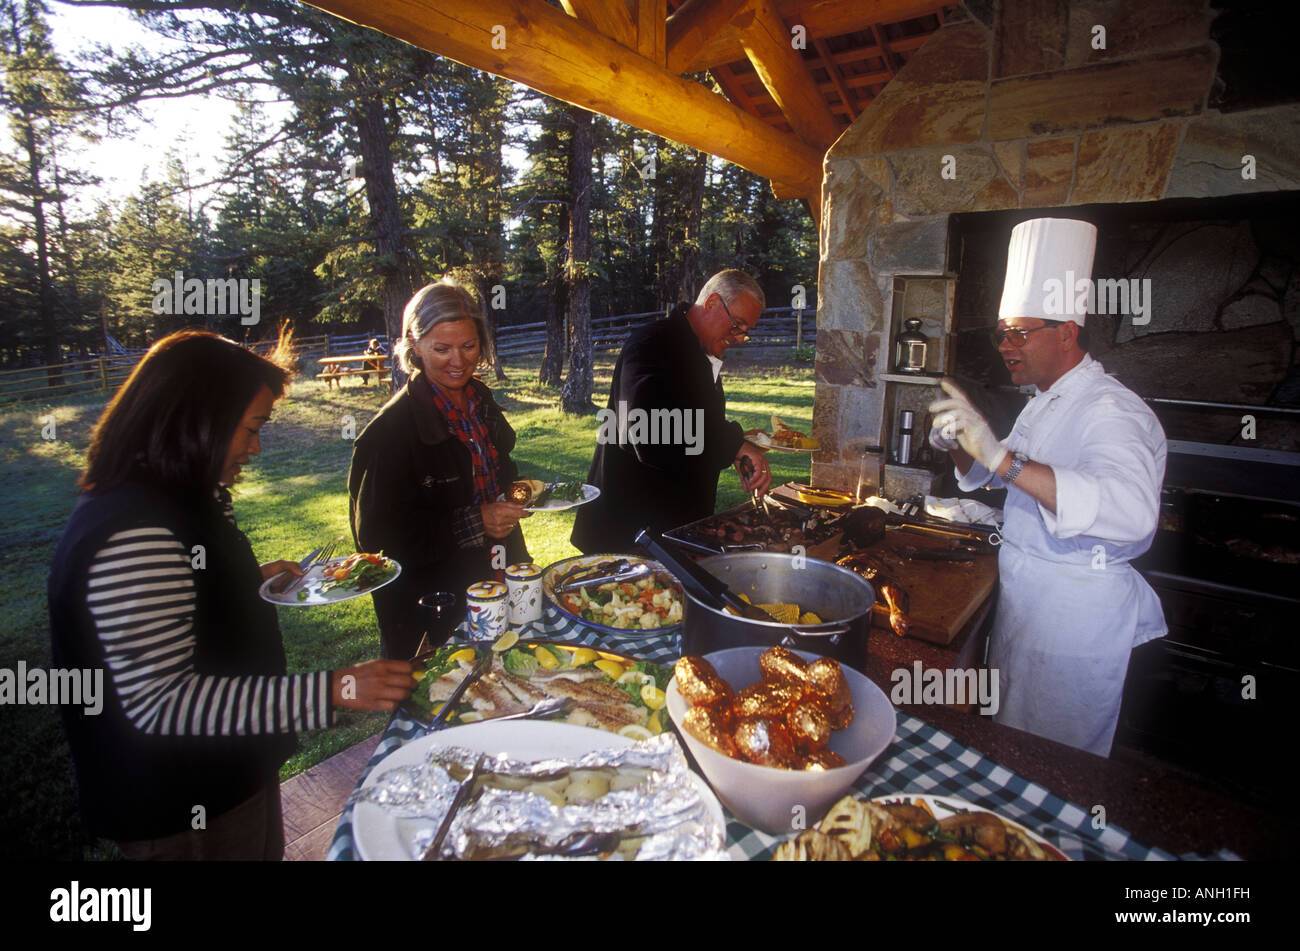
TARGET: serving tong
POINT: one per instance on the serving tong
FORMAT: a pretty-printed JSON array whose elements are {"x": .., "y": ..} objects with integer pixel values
[
  {"x": 478, "y": 670},
  {"x": 578, "y": 843},
  {"x": 714, "y": 592},
  {"x": 746, "y": 469},
  {"x": 618, "y": 571}
]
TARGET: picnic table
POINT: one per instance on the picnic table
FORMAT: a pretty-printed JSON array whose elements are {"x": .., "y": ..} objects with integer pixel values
[
  {"x": 921, "y": 760},
  {"x": 333, "y": 369}
]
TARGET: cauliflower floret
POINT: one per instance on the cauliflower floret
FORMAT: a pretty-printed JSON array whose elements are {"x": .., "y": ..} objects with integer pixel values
[
  {"x": 649, "y": 621},
  {"x": 674, "y": 613}
]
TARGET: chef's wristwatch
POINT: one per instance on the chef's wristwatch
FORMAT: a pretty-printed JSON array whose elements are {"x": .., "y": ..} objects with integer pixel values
[{"x": 1018, "y": 460}]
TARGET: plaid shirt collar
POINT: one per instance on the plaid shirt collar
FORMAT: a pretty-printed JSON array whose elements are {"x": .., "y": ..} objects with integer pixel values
[{"x": 471, "y": 429}]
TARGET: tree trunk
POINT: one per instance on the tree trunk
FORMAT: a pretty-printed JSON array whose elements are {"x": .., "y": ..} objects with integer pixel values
[
  {"x": 45, "y": 286},
  {"x": 557, "y": 306},
  {"x": 397, "y": 265},
  {"x": 483, "y": 284},
  {"x": 690, "y": 279},
  {"x": 576, "y": 395}
]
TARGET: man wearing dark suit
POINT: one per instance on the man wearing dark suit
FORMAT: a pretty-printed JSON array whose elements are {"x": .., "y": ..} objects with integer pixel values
[{"x": 664, "y": 438}]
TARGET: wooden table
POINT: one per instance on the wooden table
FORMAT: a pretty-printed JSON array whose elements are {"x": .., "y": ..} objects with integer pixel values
[{"x": 333, "y": 369}]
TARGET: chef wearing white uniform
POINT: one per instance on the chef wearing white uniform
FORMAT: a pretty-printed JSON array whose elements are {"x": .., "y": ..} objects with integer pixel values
[{"x": 1083, "y": 468}]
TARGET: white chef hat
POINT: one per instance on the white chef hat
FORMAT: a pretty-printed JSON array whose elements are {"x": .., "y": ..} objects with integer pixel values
[{"x": 1045, "y": 260}]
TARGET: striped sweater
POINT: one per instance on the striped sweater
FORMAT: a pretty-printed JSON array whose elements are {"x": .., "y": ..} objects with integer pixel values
[{"x": 142, "y": 600}]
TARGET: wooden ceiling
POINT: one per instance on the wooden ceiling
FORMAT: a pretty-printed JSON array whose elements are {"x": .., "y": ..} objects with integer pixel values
[{"x": 636, "y": 61}]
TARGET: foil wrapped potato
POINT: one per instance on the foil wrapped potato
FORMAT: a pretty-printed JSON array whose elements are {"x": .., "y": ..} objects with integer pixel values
[
  {"x": 824, "y": 759},
  {"x": 765, "y": 741},
  {"x": 766, "y": 699},
  {"x": 713, "y": 727},
  {"x": 828, "y": 685},
  {"x": 782, "y": 665},
  {"x": 809, "y": 726},
  {"x": 701, "y": 685}
]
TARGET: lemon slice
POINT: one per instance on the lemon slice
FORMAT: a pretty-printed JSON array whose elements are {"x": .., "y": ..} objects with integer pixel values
[
  {"x": 583, "y": 655},
  {"x": 634, "y": 732},
  {"x": 506, "y": 641},
  {"x": 420, "y": 675},
  {"x": 545, "y": 658},
  {"x": 656, "y": 723},
  {"x": 652, "y": 696},
  {"x": 636, "y": 677},
  {"x": 466, "y": 655},
  {"x": 609, "y": 669},
  {"x": 471, "y": 716}
]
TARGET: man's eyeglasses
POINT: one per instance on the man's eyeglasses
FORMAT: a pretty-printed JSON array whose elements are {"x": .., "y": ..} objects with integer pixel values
[
  {"x": 739, "y": 332},
  {"x": 1013, "y": 335}
]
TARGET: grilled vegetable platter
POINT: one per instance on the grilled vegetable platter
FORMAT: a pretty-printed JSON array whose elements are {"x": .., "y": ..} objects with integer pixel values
[
  {"x": 609, "y": 691},
  {"x": 916, "y": 828}
]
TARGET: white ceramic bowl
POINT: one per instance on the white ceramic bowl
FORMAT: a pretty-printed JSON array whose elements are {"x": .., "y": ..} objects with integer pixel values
[{"x": 780, "y": 801}]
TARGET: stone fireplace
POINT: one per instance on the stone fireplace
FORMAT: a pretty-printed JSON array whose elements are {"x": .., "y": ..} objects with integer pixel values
[{"x": 1011, "y": 111}]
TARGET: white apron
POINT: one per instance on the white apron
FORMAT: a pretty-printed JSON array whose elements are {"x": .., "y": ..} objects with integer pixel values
[{"x": 1070, "y": 606}]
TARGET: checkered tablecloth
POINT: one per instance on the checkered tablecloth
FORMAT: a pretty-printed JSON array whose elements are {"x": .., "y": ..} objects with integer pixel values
[{"x": 921, "y": 760}]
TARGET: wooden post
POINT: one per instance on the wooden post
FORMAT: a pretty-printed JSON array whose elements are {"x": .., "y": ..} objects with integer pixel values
[
  {"x": 798, "y": 328},
  {"x": 103, "y": 374}
]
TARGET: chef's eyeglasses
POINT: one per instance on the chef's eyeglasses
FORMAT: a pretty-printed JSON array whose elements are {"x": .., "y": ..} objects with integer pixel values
[
  {"x": 1013, "y": 335},
  {"x": 739, "y": 332}
]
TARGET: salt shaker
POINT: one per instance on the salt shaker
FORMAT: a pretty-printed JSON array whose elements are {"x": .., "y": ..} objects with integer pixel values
[
  {"x": 487, "y": 610},
  {"x": 524, "y": 593}
]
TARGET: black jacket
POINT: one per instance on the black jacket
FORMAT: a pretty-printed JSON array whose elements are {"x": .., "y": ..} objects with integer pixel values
[
  {"x": 135, "y": 785},
  {"x": 411, "y": 495},
  {"x": 656, "y": 484}
]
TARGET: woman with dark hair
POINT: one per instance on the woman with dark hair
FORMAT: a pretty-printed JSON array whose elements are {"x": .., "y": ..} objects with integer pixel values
[
  {"x": 153, "y": 582},
  {"x": 428, "y": 470}
]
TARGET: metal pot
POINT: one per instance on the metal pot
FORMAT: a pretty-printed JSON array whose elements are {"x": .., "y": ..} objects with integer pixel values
[{"x": 839, "y": 596}]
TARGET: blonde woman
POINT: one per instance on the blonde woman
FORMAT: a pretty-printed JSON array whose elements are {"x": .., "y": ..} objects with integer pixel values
[{"x": 428, "y": 469}]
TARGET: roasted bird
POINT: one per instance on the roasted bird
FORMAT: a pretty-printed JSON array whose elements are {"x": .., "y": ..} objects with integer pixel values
[{"x": 888, "y": 591}]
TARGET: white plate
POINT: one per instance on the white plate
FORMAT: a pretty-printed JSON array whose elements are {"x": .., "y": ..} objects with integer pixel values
[
  {"x": 589, "y": 492},
  {"x": 379, "y": 835},
  {"x": 311, "y": 583},
  {"x": 764, "y": 440},
  {"x": 945, "y": 806}
]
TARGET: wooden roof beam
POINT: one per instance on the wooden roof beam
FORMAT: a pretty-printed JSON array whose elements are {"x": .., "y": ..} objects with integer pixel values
[
  {"x": 767, "y": 42},
  {"x": 878, "y": 34},
  {"x": 538, "y": 45},
  {"x": 833, "y": 71},
  {"x": 822, "y": 18},
  {"x": 651, "y": 16},
  {"x": 693, "y": 25},
  {"x": 609, "y": 17}
]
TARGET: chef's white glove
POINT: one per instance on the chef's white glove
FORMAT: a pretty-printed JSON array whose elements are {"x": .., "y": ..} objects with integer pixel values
[
  {"x": 957, "y": 415},
  {"x": 943, "y": 435}
]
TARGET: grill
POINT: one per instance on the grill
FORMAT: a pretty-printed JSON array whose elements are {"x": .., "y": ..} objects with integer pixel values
[{"x": 1210, "y": 697}]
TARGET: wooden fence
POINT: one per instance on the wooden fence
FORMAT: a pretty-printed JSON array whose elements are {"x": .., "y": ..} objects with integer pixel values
[{"x": 780, "y": 327}]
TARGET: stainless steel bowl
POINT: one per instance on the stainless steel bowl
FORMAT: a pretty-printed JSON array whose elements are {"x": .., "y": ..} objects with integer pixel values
[{"x": 841, "y": 598}]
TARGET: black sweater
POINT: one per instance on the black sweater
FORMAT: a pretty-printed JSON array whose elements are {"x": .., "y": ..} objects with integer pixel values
[
  {"x": 411, "y": 495},
  {"x": 657, "y": 485},
  {"x": 197, "y": 708}
]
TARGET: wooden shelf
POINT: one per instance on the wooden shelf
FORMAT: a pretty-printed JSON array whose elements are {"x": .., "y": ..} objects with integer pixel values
[{"x": 922, "y": 379}]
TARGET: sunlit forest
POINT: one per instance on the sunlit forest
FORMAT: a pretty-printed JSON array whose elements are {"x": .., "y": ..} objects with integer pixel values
[{"x": 356, "y": 169}]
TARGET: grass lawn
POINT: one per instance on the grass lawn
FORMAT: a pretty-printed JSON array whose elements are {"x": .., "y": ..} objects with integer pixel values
[{"x": 293, "y": 497}]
